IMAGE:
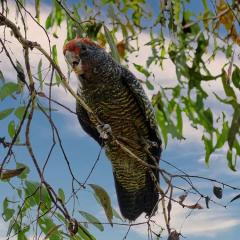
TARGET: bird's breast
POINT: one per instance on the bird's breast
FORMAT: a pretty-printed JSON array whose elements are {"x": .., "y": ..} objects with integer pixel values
[{"x": 117, "y": 106}]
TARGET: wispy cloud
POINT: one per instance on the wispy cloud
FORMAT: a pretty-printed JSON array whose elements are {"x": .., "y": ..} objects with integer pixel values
[{"x": 202, "y": 223}]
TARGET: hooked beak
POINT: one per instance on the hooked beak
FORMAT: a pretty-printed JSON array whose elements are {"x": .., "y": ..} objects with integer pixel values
[{"x": 74, "y": 62}]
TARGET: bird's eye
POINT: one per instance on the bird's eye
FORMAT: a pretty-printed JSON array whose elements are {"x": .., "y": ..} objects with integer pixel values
[{"x": 83, "y": 48}]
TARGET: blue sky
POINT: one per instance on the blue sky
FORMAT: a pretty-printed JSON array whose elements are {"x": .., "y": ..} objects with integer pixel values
[{"x": 216, "y": 223}]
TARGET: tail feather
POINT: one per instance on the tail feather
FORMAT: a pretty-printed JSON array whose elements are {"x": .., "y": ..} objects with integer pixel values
[{"x": 134, "y": 202}]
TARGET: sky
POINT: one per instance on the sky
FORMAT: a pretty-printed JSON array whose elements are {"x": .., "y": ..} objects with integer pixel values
[{"x": 216, "y": 223}]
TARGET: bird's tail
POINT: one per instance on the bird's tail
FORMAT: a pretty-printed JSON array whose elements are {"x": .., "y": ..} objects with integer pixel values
[{"x": 134, "y": 201}]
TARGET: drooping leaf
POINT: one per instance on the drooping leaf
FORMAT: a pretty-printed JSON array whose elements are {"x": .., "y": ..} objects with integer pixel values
[
  {"x": 7, "y": 212},
  {"x": 49, "y": 21},
  {"x": 112, "y": 45},
  {"x": 226, "y": 86},
  {"x": 11, "y": 129},
  {"x": 8, "y": 89},
  {"x": 61, "y": 194},
  {"x": 37, "y": 9},
  {"x": 84, "y": 233},
  {"x": 235, "y": 127},
  {"x": 104, "y": 200},
  {"x": 40, "y": 78},
  {"x": 116, "y": 214},
  {"x": 52, "y": 231},
  {"x": 55, "y": 54},
  {"x": 208, "y": 148},
  {"x": 218, "y": 192},
  {"x": 149, "y": 85},
  {"x": 92, "y": 219},
  {"x": 207, "y": 199},
  {"x": 32, "y": 189},
  {"x": 236, "y": 77},
  {"x": 5, "y": 113},
  {"x": 141, "y": 69},
  {"x": 231, "y": 164},
  {"x": 7, "y": 174}
]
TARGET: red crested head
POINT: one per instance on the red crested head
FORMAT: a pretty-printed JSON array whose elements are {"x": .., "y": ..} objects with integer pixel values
[
  {"x": 78, "y": 49},
  {"x": 73, "y": 45}
]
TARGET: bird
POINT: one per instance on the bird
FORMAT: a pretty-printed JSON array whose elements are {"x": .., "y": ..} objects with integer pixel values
[{"x": 117, "y": 98}]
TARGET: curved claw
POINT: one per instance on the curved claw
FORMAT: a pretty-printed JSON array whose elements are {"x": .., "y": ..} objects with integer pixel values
[{"x": 104, "y": 130}]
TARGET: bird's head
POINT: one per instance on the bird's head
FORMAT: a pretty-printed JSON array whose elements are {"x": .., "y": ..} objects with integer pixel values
[{"x": 79, "y": 53}]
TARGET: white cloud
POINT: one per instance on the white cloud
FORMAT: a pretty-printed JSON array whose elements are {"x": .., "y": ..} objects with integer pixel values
[{"x": 203, "y": 223}]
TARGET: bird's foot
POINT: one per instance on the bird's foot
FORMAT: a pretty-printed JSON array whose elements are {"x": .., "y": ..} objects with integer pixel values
[
  {"x": 104, "y": 130},
  {"x": 149, "y": 144}
]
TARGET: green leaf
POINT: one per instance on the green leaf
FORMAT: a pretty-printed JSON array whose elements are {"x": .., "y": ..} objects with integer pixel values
[
  {"x": 142, "y": 70},
  {"x": 116, "y": 214},
  {"x": 61, "y": 194},
  {"x": 19, "y": 112},
  {"x": 179, "y": 120},
  {"x": 45, "y": 198},
  {"x": 24, "y": 173},
  {"x": 149, "y": 85},
  {"x": 222, "y": 138},
  {"x": 11, "y": 129},
  {"x": 37, "y": 9},
  {"x": 8, "y": 89},
  {"x": 226, "y": 86},
  {"x": 52, "y": 231},
  {"x": 112, "y": 45},
  {"x": 231, "y": 165},
  {"x": 104, "y": 200},
  {"x": 235, "y": 127},
  {"x": 93, "y": 30},
  {"x": 40, "y": 78},
  {"x": 208, "y": 148},
  {"x": 218, "y": 192},
  {"x": 84, "y": 233},
  {"x": 49, "y": 21},
  {"x": 54, "y": 53},
  {"x": 161, "y": 121},
  {"x": 32, "y": 191},
  {"x": 92, "y": 219},
  {"x": 7, "y": 212},
  {"x": 5, "y": 113},
  {"x": 177, "y": 10},
  {"x": 236, "y": 77},
  {"x": 49, "y": 228}
]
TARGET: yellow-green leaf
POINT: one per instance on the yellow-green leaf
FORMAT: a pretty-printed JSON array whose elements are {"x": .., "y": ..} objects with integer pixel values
[
  {"x": 5, "y": 113},
  {"x": 92, "y": 219},
  {"x": 104, "y": 200}
]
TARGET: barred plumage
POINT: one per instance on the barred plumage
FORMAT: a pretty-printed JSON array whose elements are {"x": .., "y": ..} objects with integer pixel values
[{"x": 118, "y": 99}]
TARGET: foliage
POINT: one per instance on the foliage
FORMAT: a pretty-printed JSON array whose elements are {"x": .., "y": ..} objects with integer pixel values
[{"x": 176, "y": 32}]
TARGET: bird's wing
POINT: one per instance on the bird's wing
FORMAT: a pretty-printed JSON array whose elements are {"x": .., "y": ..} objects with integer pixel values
[
  {"x": 136, "y": 88},
  {"x": 86, "y": 123}
]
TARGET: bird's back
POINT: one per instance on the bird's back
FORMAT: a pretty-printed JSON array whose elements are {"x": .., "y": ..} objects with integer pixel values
[{"x": 115, "y": 105}]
